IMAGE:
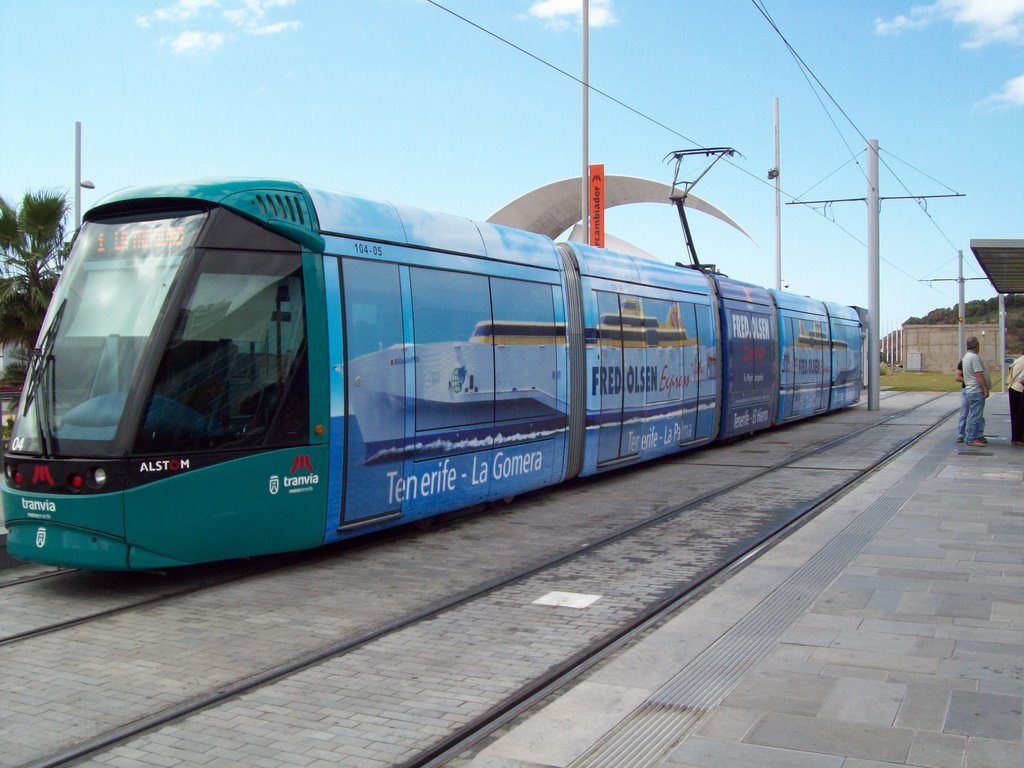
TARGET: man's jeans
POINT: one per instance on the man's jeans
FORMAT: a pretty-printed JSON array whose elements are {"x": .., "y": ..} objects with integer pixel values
[
  {"x": 975, "y": 416},
  {"x": 961, "y": 425}
]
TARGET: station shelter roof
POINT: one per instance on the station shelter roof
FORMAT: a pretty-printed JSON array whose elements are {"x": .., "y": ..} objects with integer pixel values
[{"x": 1003, "y": 262}]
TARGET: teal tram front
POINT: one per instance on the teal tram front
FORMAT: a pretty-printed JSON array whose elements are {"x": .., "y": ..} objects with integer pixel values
[{"x": 171, "y": 370}]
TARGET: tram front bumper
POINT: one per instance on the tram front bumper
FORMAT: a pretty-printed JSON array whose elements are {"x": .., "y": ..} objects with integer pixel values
[{"x": 58, "y": 544}]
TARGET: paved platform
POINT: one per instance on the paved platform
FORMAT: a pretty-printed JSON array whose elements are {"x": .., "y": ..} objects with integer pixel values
[{"x": 888, "y": 631}]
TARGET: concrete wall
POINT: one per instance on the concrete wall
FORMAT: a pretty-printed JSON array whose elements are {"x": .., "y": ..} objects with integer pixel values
[{"x": 938, "y": 345}]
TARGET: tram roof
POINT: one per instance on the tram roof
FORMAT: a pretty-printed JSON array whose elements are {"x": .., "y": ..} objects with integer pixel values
[
  {"x": 306, "y": 213},
  {"x": 797, "y": 303},
  {"x": 341, "y": 213},
  {"x": 1003, "y": 262},
  {"x": 610, "y": 265}
]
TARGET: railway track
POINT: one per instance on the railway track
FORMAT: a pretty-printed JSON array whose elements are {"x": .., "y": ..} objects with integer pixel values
[
  {"x": 120, "y": 592},
  {"x": 123, "y": 593},
  {"x": 693, "y": 533}
]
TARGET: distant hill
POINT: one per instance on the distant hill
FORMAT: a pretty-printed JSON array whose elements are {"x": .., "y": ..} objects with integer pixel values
[{"x": 982, "y": 311}]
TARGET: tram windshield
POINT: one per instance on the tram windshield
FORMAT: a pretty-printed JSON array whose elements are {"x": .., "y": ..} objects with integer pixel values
[
  {"x": 101, "y": 318},
  {"x": 234, "y": 371}
]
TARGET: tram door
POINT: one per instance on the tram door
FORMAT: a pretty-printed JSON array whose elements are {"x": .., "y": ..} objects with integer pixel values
[
  {"x": 620, "y": 344},
  {"x": 375, "y": 388},
  {"x": 707, "y": 372},
  {"x": 692, "y": 370},
  {"x": 806, "y": 374},
  {"x": 791, "y": 365}
]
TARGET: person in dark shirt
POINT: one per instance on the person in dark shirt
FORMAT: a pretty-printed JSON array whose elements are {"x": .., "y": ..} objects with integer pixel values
[{"x": 1016, "y": 394}]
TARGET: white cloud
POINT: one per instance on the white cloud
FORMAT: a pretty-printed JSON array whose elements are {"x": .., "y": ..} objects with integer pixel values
[
  {"x": 986, "y": 21},
  {"x": 250, "y": 16},
  {"x": 220, "y": 21},
  {"x": 991, "y": 20},
  {"x": 563, "y": 14},
  {"x": 1011, "y": 96},
  {"x": 181, "y": 10},
  {"x": 273, "y": 29},
  {"x": 196, "y": 42},
  {"x": 902, "y": 22}
]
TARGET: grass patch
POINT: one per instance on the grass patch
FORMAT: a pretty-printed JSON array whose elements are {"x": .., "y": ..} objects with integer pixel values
[{"x": 926, "y": 381}]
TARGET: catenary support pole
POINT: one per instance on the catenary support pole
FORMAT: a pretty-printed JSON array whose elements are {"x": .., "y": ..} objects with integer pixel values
[
  {"x": 873, "y": 299},
  {"x": 585, "y": 172},
  {"x": 778, "y": 203},
  {"x": 960, "y": 304}
]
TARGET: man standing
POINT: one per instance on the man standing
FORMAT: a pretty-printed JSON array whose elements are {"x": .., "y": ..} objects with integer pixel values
[
  {"x": 1016, "y": 395},
  {"x": 976, "y": 389}
]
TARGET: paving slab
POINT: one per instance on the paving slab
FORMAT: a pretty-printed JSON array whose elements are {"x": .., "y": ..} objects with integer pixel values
[
  {"x": 832, "y": 737},
  {"x": 984, "y": 714},
  {"x": 700, "y": 752},
  {"x": 857, "y": 700}
]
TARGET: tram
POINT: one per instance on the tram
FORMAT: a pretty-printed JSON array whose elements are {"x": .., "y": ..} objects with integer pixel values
[{"x": 242, "y": 367}]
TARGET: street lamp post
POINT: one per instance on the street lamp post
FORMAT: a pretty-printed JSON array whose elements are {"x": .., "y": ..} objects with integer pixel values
[{"x": 79, "y": 183}]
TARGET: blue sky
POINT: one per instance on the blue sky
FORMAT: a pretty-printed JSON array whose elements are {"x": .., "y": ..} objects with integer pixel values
[{"x": 403, "y": 100}]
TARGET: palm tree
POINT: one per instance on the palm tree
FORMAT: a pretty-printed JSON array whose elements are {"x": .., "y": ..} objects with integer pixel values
[{"x": 32, "y": 254}]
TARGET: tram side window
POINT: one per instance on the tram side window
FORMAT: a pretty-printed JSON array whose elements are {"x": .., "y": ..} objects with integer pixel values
[
  {"x": 699, "y": 340},
  {"x": 526, "y": 341},
  {"x": 454, "y": 367},
  {"x": 373, "y": 308},
  {"x": 849, "y": 354},
  {"x": 856, "y": 349},
  {"x": 824, "y": 361},
  {"x": 665, "y": 338},
  {"x": 234, "y": 373},
  {"x": 375, "y": 350},
  {"x": 486, "y": 349}
]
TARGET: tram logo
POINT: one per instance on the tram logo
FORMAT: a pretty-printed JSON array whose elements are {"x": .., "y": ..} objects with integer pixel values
[
  {"x": 166, "y": 465},
  {"x": 304, "y": 480},
  {"x": 41, "y": 474},
  {"x": 37, "y": 505},
  {"x": 40, "y": 538},
  {"x": 300, "y": 478},
  {"x": 301, "y": 462}
]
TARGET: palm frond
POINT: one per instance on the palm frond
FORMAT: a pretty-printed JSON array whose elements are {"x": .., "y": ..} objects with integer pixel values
[{"x": 32, "y": 248}]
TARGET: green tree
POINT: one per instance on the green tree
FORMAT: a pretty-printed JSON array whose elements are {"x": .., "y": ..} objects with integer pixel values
[{"x": 32, "y": 254}]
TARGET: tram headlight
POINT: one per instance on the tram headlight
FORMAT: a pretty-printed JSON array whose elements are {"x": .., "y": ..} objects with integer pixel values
[{"x": 99, "y": 477}]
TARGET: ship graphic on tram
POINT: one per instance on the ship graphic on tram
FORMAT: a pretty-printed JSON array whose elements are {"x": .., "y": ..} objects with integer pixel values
[{"x": 241, "y": 367}]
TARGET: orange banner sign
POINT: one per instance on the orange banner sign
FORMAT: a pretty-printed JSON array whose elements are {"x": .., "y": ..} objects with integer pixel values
[{"x": 597, "y": 205}]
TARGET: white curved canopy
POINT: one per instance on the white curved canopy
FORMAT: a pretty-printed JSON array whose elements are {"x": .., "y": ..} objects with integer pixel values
[{"x": 550, "y": 210}]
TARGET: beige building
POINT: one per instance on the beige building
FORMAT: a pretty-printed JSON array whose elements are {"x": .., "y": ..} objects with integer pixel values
[{"x": 936, "y": 347}]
